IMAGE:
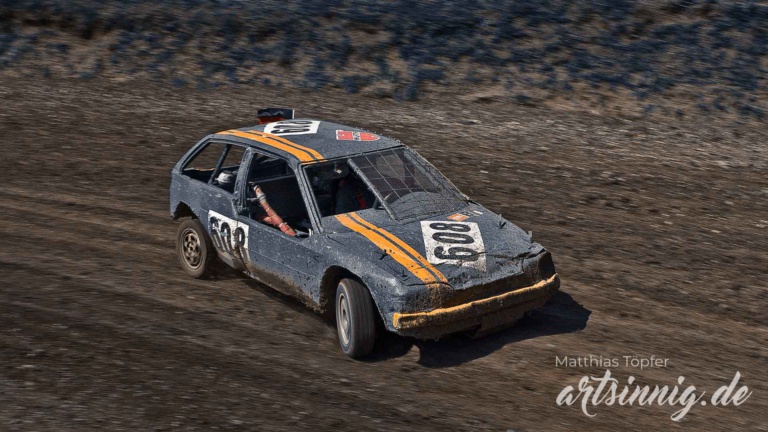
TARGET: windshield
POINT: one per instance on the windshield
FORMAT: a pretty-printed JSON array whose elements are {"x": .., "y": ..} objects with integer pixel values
[{"x": 408, "y": 185}]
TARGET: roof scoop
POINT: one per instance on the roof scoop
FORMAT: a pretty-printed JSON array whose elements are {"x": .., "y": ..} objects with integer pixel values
[{"x": 269, "y": 115}]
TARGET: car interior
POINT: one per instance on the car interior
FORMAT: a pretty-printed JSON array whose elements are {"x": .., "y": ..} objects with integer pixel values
[
  {"x": 203, "y": 164},
  {"x": 336, "y": 187},
  {"x": 278, "y": 183}
]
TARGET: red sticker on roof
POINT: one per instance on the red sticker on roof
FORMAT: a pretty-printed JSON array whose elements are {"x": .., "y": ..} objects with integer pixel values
[{"x": 343, "y": 135}]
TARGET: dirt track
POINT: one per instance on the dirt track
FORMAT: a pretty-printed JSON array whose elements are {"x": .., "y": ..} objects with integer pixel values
[{"x": 659, "y": 231}]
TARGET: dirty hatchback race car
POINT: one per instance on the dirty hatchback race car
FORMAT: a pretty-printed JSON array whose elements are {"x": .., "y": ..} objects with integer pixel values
[{"x": 357, "y": 226}]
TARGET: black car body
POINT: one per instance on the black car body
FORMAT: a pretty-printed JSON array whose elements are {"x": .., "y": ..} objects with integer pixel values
[{"x": 434, "y": 261}]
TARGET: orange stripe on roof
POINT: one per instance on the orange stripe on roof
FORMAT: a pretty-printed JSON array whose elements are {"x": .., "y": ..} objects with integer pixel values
[
  {"x": 275, "y": 141},
  {"x": 387, "y": 246},
  {"x": 403, "y": 245},
  {"x": 311, "y": 151},
  {"x": 303, "y": 154}
]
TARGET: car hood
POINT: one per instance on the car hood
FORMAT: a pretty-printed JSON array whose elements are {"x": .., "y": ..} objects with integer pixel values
[{"x": 464, "y": 248}]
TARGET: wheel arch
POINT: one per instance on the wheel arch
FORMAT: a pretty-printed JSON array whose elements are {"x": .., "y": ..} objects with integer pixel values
[
  {"x": 183, "y": 210},
  {"x": 329, "y": 283}
]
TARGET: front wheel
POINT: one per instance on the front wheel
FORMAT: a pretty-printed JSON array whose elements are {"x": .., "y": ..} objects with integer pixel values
[
  {"x": 355, "y": 318},
  {"x": 195, "y": 248}
]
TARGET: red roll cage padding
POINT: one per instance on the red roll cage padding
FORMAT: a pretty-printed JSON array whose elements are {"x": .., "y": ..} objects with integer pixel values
[{"x": 272, "y": 218}]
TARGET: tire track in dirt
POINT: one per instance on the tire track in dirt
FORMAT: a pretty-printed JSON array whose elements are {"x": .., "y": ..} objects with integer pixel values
[
  {"x": 158, "y": 353},
  {"x": 88, "y": 273}
]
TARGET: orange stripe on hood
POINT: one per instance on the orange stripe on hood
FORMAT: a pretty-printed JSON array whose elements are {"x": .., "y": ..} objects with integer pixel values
[
  {"x": 403, "y": 245},
  {"x": 378, "y": 239}
]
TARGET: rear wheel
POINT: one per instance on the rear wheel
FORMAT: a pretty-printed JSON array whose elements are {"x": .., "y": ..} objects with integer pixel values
[
  {"x": 194, "y": 248},
  {"x": 355, "y": 318}
]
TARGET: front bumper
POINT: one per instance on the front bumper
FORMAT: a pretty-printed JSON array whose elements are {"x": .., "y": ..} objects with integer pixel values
[{"x": 484, "y": 314}]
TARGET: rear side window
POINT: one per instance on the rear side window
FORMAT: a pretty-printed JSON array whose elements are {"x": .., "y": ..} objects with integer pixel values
[
  {"x": 201, "y": 166},
  {"x": 204, "y": 165},
  {"x": 232, "y": 160},
  {"x": 206, "y": 158},
  {"x": 226, "y": 175}
]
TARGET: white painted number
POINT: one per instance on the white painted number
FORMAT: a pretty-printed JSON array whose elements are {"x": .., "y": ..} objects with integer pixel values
[
  {"x": 228, "y": 235},
  {"x": 292, "y": 127},
  {"x": 457, "y": 243}
]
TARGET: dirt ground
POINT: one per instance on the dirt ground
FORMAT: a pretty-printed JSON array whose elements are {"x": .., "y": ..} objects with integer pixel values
[{"x": 659, "y": 232}]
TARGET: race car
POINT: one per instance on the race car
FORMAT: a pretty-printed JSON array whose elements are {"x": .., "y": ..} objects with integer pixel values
[{"x": 356, "y": 225}]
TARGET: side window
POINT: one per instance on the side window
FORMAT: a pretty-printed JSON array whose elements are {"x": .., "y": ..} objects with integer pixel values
[
  {"x": 226, "y": 175},
  {"x": 282, "y": 205},
  {"x": 203, "y": 165},
  {"x": 264, "y": 167},
  {"x": 234, "y": 157}
]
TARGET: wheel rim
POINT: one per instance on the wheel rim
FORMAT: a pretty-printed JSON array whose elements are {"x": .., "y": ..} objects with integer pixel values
[
  {"x": 343, "y": 320},
  {"x": 190, "y": 248}
]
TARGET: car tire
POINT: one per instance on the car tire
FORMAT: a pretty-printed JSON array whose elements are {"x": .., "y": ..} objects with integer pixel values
[
  {"x": 194, "y": 248},
  {"x": 355, "y": 318}
]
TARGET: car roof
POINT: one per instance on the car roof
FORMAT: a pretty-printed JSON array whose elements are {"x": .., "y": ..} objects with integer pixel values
[{"x": 308, "y": 140}]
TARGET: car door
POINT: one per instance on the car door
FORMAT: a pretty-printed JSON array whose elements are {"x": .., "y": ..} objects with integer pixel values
[
  {"x": 280, "y": 260},
  {"x": 214, "y": 172}
]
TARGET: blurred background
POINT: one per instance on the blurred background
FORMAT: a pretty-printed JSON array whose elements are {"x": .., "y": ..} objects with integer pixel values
[{"x": 670, "y": 58}]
